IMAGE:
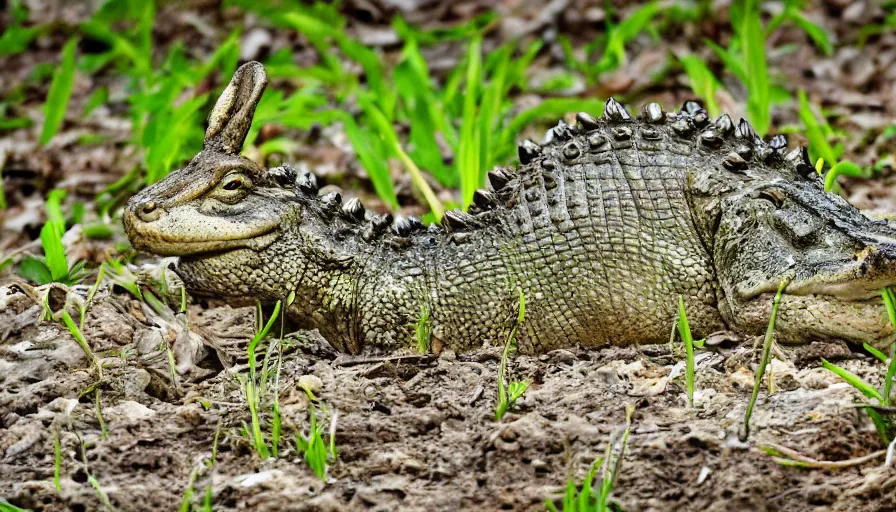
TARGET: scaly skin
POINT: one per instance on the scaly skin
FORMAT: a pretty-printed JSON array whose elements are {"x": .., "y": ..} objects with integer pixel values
[{"x": 602, "y": 229}]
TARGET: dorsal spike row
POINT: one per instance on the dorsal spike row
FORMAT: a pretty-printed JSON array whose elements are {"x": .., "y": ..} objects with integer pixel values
[
  {"x": 683, "y": 126},
  {"x": 803, "y": 164},
  {"x": 331, "y": 201},
  {"x": 284, "y": 175},
  {"x": 778, "y": 142},
  {"x": 353, "y": 210},
  {"x": 653, "y": 113},
  {"x": 528, "y": 151},
  {"x": 711, "y": 138},
  {"x": 587, "y": 121},
  {"x": 561, "y": 132},
  {"x": 484, "y": 200},
  {"x": 498, "y": 178},
  {"x": 615, "y": 111},
  {"x": 746, "y": 131},
  {"x": 307, "y": 182},
  {"x": 404, "y": 226},
  {"x": 724, "y": 124},
  {"x": 457, "y": 220},
  {"x": 691, "y": 107},
  {"x": 381, "y": 222}
]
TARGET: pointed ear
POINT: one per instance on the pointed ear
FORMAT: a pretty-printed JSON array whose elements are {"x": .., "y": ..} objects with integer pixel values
[{"x": 231, "y": 118}]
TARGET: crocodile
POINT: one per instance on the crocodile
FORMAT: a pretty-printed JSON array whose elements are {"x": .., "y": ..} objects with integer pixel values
[{"x": 600, "y": 229}]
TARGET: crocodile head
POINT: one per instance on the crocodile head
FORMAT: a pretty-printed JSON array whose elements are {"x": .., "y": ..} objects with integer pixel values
[
  {"x": 775, "y": 222},
  {"x": 225, "y": 216}
]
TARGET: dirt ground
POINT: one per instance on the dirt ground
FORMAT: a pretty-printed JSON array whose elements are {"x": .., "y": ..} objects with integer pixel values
[{"x": 418, "y": 433}]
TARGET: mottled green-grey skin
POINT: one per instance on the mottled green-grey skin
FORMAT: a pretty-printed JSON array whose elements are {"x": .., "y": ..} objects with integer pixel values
[{"x": 602, "y": 228}]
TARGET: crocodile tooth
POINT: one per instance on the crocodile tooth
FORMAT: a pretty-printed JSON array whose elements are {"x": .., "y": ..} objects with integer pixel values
[
  {"x": 778, "y": 142},
  {"x": 724, "y": 124},
  {"x": 307, "y": 182},
  {"x": 745, "y": 131},
  {"x": 691, "y": 107},
  {"x": 331, "y": 201},
  {"x": 353, "y": 209},
  {"x": 734, "y": 162},
  {"x": 571, "y": 151},
  {"x": 711, "y": 138},
  {"x": 456, "y": 220},
  {"x": 484, "y": 199},
  {"x": 614, "y": 111},
  {"x": 528, "y": 150},
  {"x": 586, "y": 121},
  {"x": 498, "y": 178},
  {"x": 653, "y": 112}
]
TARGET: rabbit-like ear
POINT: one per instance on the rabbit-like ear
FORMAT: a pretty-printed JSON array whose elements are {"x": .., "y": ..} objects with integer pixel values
[{"x": 231, "y": 118}]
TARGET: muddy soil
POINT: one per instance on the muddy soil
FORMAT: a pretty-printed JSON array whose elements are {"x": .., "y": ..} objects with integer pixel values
[{"x": 412, "y": 433}]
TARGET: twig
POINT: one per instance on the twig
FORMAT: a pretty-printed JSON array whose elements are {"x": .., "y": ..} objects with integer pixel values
[{"x": 794, "y": 458}]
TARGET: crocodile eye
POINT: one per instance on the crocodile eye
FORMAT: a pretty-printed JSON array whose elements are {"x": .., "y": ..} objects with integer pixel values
[{"x": 233, "y": 184}]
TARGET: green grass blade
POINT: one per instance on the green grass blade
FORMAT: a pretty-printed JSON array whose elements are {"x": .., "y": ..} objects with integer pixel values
[
  {"x": 763, "y": 362},
  {"x": 757, "y": 71},
  {"x": 51, "y": 240},
  {"x": 57, "y": 459},
  {"x": 819, "y": 147},
  {"x": 854, "y": 380},
  {"x": 684, "y": 330},
  {"x": 60, "y": 92},
  {"x": 732, "y": 63},
  {"x": 469, "y": 151},
  {"x": 846, "y": 168},
  {"x": 876, "y": 353},
  {"x": 387, "y": 131},
  {"x": 369, "y": 149},
  {"x": 703, "y": 82}
]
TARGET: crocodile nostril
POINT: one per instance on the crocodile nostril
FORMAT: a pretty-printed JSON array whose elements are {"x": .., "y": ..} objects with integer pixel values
[{"x": 148, "y": 211}]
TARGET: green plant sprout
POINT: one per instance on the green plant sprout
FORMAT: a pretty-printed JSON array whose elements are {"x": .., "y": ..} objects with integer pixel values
[
  {"x": 763, "y": 362},
  {"x": 594, "y": 496},
  {"x": 508, "y": 394}
]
